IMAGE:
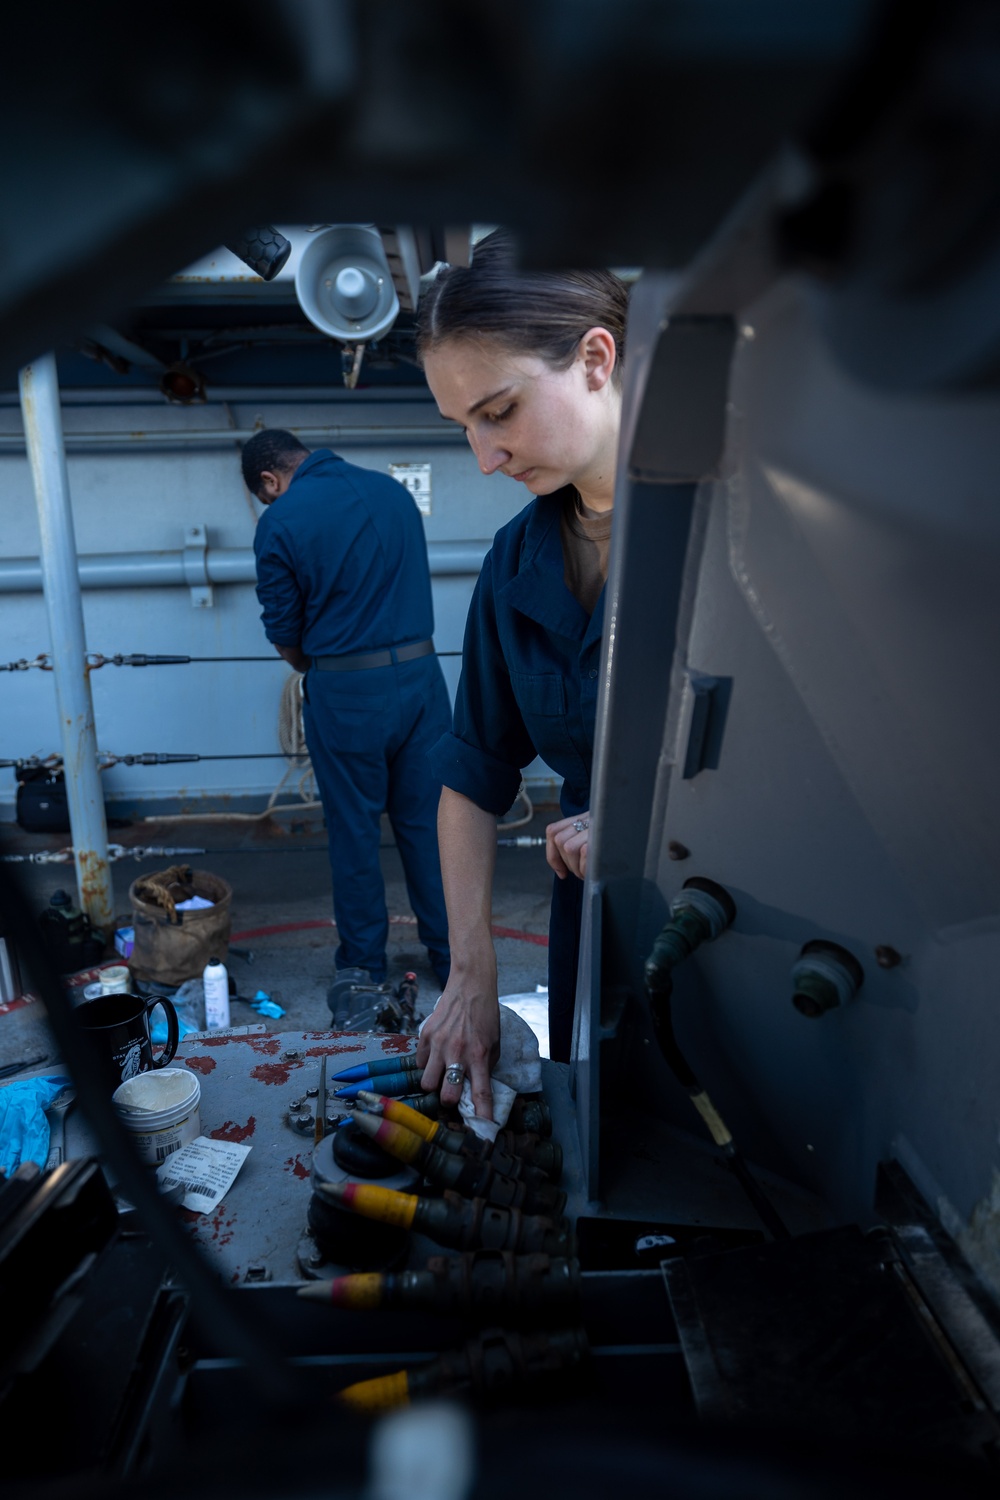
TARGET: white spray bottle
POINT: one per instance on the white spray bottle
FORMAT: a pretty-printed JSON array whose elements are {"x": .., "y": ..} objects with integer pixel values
[{"x": 216, "y": 981}]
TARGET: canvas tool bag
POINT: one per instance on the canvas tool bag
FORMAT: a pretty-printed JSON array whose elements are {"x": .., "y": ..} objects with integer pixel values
[{"x": 171, "y": 945}]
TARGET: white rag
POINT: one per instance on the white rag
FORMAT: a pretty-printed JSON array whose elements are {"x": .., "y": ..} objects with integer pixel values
[{"x": 519, "y": 1071}]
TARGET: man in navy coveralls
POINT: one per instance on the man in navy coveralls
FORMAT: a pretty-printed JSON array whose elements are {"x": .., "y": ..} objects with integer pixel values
[{"x": 345, "y": 595}]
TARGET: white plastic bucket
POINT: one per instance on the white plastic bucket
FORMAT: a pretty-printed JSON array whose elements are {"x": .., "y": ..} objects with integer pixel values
[{"x": 161, "y": 1111}]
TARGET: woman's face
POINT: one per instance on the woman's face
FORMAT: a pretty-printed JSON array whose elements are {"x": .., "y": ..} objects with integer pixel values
[{"x": 545, "y": 428}]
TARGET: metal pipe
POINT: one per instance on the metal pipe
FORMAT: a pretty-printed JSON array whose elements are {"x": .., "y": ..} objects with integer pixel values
[
  {"x": 333, "y": 397},
  {"x": 39, "y": 387},
  {"x": 124, "y": 570},
  {"x": 226, "y": 437}
]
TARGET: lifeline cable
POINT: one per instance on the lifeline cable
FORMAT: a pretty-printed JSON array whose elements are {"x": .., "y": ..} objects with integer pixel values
[
  {"x": 183, "y": 757},
  {"x": 95, "y": 660},
  {"x": 145, "y": 758},
  {"x": 116, "y": 852}
]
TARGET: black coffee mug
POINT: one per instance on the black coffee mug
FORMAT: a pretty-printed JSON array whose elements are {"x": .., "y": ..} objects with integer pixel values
[{"x": 117, "y": 1031}]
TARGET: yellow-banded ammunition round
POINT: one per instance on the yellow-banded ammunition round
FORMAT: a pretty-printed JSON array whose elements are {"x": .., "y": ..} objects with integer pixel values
[{"x": 384, "y": 1393}]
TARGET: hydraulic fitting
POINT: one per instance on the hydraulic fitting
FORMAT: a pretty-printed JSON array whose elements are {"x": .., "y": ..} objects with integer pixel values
[
  {"x": 824, "y": 976},
  {"x": 699, "y": 912}
]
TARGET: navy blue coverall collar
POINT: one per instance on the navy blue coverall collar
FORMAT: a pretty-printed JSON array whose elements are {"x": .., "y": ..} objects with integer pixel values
[
  {"x": 316, "y": 457},
  {"x": 538, "y": 588}
]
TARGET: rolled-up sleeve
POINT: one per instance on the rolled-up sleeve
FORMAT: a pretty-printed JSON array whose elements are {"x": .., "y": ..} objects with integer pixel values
[
  {"x": 277, "y": 585},
  {"x": 484, "y": 755}
]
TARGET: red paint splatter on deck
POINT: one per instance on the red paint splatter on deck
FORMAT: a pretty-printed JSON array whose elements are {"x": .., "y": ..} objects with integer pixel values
[
  {"x": 329, "y": 1051},
  {"x": 297, "y": 1167},
  {"x": 397, "y": 1044},
  {"x": 274, "y": 1072},
  {"x": 230, "y": 1131},
  {"x": 263, "y": 1042},
  {"x": 221, "y": 1227},
  {"x": 215, "y": 1226},
  {"x": 200, "y": 1064},
  {"x": 392, "y": 1046},
  {"x": 334, "y": 1041}
]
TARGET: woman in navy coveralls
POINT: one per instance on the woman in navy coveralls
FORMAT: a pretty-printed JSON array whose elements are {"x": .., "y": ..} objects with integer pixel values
[{"x": 530, "y": 366}]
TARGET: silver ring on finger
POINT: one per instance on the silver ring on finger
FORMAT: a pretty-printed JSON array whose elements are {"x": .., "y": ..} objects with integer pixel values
[
  {"x": 454, "y": 1073},
  {"x": 581, "y": 824}
]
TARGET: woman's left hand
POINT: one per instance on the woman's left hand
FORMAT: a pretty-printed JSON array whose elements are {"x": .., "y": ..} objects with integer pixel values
[{"x": 566, "y": 844}]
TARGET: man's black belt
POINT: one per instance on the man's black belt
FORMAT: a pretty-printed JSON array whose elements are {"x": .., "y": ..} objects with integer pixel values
[{"x": 365, "y": 659}]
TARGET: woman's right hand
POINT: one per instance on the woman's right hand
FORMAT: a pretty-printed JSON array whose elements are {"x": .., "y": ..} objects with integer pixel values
[
  {"x": 464, "y": 1029},
  {"x": 567, "y": 845}
]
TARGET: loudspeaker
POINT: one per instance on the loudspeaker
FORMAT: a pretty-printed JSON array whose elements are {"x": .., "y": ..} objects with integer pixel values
[{"x": 344, "y": 284}]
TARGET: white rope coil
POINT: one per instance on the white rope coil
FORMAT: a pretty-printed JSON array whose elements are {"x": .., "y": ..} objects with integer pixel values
[{"x": 292, "y": 739}]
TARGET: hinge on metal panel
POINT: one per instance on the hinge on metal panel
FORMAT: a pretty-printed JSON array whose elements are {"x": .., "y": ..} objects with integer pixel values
[
  {"x": 196, "y": 567},
  {"x": 709, "y": 701}
]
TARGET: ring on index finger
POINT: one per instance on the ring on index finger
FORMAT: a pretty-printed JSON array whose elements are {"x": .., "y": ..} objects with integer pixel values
[
  {"x": 581, "y": 824},
  {"x": 454, "y": 1073}
]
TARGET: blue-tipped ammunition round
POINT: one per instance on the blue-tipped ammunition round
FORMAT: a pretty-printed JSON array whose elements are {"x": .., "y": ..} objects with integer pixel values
[
  {"x": 351, "y": 1075},
  {"x": 393, "y": 1085},
  {"x": 376, "y": 1068},
  {"x": 352, "y": 1090}
]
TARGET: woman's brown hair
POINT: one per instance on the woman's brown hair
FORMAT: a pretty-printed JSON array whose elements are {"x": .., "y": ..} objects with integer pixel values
[{"x": 544, "y": 313}]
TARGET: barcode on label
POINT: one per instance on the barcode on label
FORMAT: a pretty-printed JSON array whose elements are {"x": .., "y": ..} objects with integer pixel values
[
  {"x": 193, "y": 1187},
  {"x": 162, "y": 1152}
]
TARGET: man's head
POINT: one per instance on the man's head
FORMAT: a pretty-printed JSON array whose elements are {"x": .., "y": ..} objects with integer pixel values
[{"x": 270, "y": 460}]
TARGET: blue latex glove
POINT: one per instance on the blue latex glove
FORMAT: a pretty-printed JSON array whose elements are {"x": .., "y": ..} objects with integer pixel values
[
  {"x": 265, "y": 1006},
  {"x": 24, "y": 1130},
  {"x": 158, "y": 1026},
  {"x": 189, "y": 1003}
]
